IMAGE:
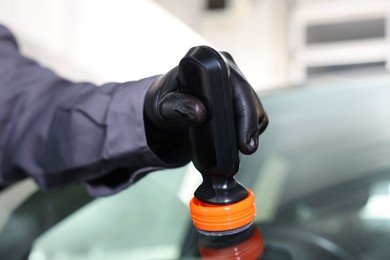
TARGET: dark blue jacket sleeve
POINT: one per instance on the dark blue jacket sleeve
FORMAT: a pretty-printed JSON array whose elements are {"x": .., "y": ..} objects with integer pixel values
[{"x": 58, "y": 132}]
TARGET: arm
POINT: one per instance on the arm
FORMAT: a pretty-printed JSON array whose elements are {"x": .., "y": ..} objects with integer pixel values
[{"x": 58, "y": 132}]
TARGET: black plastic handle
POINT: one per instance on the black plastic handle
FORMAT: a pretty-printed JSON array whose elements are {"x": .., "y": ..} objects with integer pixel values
[{"x": 204, "y": 73}]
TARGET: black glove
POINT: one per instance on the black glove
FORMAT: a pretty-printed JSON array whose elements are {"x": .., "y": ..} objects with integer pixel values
[{"x": 169, "y": 113}]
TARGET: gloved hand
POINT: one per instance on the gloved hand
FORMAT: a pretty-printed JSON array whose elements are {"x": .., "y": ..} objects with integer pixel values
[{"x": 169, "y": 113}]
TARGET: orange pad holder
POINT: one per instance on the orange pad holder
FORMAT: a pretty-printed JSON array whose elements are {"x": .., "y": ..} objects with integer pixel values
[{"x": 215, "y": 217}]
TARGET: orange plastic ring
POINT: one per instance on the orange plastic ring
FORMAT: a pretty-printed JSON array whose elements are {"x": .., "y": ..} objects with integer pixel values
[{"x": 213, "y": 217}]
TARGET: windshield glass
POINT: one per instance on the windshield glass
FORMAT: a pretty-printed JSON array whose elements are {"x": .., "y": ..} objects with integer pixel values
[{"x": 149, "y": 220}]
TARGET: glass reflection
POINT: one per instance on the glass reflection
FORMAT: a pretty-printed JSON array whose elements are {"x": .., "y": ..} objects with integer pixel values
[{"x": 247, "y": 244}]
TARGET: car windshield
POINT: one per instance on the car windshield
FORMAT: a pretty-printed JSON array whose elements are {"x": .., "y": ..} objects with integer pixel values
[
  {"x": 149, "y": 220},
  {"x": 320, "y": 177}
]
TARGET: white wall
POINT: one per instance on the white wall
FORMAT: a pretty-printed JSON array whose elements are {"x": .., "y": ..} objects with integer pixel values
[
  {"x": 99, "y": 40},
  {"x": 253, "y": 31}
]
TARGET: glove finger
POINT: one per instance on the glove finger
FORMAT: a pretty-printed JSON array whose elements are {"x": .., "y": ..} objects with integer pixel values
[
  {"x": 232, "y": 63},
  {"x": 263, "y": 123},
  {"x": 182, "y": 110},
  {"x": 251, "y": 119},
  {"x": 246, "y": 114},
  {"x": 262, "y": 115}
]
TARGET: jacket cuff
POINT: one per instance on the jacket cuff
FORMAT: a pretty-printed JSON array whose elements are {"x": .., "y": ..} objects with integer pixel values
[{"x": 126, "y": 148}]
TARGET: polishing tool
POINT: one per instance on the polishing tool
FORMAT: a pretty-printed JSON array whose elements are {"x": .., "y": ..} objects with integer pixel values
[{"x": 221, "y": 205}]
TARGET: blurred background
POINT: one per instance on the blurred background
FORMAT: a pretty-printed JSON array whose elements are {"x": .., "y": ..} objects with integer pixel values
[
  {"x": 277, "y": 43},
  {"x": 282, "y": 43}
]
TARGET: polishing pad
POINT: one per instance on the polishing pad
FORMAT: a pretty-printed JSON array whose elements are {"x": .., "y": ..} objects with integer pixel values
[{"x": 217, "y": 219}]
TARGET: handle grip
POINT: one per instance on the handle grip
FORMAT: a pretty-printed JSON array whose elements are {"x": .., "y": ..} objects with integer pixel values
[{"x": 204, "y": 73}]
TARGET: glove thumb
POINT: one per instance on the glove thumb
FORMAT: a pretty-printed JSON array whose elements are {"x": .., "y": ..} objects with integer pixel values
[{"x": 182, "y": 110}]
